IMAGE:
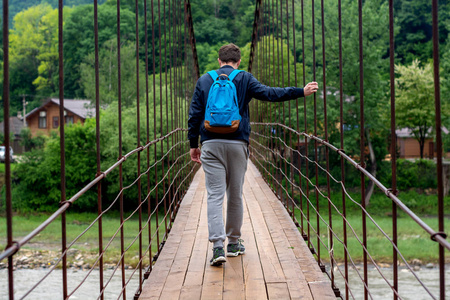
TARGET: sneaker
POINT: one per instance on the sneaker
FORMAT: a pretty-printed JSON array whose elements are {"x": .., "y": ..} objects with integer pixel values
[
  {"x": 236, "y": 249},
  {"x": 218, "y": 257}
]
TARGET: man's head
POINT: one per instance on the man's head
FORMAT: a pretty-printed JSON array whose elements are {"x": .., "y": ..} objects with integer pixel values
[{"x": 230, "y": 55}]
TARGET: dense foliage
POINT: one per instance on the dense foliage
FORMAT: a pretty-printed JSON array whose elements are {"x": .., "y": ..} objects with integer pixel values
[{"x": 34, "y": 72}]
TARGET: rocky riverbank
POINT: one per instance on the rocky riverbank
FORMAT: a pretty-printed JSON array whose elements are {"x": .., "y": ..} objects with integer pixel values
[
  {"x": 76, "y": 259},
  {"x": 34, "y": 259}
]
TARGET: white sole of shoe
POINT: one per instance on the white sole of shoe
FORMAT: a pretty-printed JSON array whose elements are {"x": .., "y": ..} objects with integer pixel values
[
  {"x": 218, "y": 261},
  {"x": 235, "y": 254}
]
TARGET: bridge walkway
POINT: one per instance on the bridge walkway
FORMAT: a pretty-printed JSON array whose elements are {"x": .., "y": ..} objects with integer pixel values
[{"x": 277, "y": 263}]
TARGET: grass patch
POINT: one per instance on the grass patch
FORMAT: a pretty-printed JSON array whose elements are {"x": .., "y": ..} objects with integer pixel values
[
  {"x": 413, "y": 241},
  {"x": 87, "y": 245},
  {"x": 2, "y": 167}
]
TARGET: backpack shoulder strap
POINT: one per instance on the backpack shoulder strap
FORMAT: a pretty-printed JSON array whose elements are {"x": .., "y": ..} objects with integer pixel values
[
  {"x": 213, "y": 75},
  {"x": 233, "y": 74}
]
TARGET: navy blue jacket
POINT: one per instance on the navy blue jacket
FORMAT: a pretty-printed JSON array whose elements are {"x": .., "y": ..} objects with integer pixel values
[{"x": 247, "y": 87}]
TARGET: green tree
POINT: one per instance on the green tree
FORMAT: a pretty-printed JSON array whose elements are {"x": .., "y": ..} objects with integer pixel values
[
  {"x": 414, "y": 40},
  {"x": 109, "y": 74},
  {"x": 415, "y": 100},
  {"x": 79, "y": 39},
  {"x": 26, "y": 42}
]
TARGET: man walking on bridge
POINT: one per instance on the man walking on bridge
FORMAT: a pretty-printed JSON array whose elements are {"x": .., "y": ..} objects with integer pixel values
[{"x": 225, "y": 138}]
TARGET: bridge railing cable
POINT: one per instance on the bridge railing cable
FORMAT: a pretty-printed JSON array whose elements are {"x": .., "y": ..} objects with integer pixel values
[
  {"x": 163, "y": 170},
  {"x": 295, "y": 158}
]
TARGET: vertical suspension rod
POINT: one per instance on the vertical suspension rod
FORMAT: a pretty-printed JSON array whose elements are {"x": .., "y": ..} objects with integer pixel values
[
  {"x": 138, "y": 142},
  {"x": 437, "y": 105},
  {"x": 119, "y": 90},
  {"x": 62, "y": 146},
  {"x": 393, "y": 146},
  {"x": 9, "y": 214},
  {"x": 97, "y": 143},
  {"x": 362, "y": 145},
  {"x": 341, "y": 127}
]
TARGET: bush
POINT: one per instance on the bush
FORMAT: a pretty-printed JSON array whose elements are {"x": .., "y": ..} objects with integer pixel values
[
  {"x": 36, "y": 180},
  {"x": 30, "y": 142}
]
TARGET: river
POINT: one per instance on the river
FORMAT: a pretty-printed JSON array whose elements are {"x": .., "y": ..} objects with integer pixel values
[{"x": 51, "y": 287}]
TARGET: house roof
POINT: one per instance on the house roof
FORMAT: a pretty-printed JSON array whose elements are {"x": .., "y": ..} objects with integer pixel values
[
  {"x": 406, "y": 132},
  {"x": 81, "y": 108},
  {"x": 15, "y": 125}
]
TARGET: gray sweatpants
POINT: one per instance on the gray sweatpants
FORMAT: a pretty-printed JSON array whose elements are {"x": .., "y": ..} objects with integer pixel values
[{"x": 225, "y": 164}]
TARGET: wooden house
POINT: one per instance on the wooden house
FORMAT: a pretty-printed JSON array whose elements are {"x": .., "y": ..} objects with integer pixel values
[
  {"x": 408, "y": 146},
  {"x": 44, "y": 119}
]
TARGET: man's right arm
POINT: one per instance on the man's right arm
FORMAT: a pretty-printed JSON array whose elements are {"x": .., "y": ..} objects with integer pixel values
[{"x": 196, "y": 114}]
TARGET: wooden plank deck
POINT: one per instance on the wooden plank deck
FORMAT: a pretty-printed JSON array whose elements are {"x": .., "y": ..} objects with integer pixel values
[{"x": 277, "y": 263}]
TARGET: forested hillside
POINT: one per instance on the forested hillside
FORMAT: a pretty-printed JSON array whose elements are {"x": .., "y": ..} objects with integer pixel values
[{"x": 16, "y": 6}]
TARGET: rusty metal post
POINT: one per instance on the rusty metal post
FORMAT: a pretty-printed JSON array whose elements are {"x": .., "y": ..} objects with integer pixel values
[
  {"x": 119, "y": 91},
  {"x": 138, "y": 144},
  {"x": 62, "y": 147},
  {"x": 9, "y": 215},
  {"x": 362, "y": 144},
  {"x": 341, "y": 128},
  {"x": 439, "y": 167},
  {"x": 393, "y": 147},
  {"x": 97, "y": 143}
]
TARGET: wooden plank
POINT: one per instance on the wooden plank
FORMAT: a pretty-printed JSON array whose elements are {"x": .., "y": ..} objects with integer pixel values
[
  {"x": 154, "y": 284},
  {"x": 268, "y": 256},
  {"x": 213, "y": 275},
  {"x": 321, "y": 290},
  {"x": 213, "y": 280},
  {"x": 307, "y": 262},
  {"x": 176, "y": 276},
  {"x": 190, "y": 292},
  {"x": 233, "y": 281},
  {"x": 196, "y": 268},
  {"x": 297, "y": 285},
  {"x": 255, "y": 287},
  {"x": 309, "y": 267},
  {"x": 278, "y": 290}
]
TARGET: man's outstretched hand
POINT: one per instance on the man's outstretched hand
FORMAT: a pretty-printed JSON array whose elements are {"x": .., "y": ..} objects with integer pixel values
[
  {"x": 195, "y": 155},
  {"x": 310, "y": 88}
]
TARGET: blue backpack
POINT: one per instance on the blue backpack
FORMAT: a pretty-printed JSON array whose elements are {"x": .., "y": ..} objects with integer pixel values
[{"x": 222, "y": 107}]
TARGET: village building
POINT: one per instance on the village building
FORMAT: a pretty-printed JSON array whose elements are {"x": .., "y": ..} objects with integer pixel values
[
  {"x": 15, "y": 126},
  {"x": 408, "y": 146},
  {"x": 46, "y": 118}
]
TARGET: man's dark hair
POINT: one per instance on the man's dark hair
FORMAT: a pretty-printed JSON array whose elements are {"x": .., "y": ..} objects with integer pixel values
[{"x": 230, "y": 53}]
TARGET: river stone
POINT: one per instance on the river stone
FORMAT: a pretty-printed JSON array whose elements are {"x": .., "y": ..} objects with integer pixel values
[
  {"x": 416, "y": 262},
  {"x": 430, "y": 266}
]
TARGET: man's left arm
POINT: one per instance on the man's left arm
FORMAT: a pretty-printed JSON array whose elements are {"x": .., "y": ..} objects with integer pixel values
[{"x": 277, "y": 94}]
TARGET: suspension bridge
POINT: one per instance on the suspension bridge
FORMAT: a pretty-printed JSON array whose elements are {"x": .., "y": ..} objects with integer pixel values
[{"x": 292, "y": 241}]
